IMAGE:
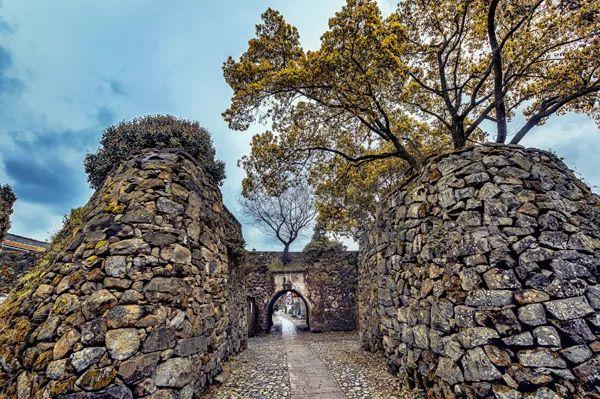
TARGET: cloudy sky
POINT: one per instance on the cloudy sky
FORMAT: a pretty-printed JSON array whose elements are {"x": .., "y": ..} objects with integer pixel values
[{"x": 69, "y": 69}]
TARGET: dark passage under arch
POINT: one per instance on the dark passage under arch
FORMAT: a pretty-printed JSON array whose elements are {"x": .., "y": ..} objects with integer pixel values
[{"x": 275, "y": 297}]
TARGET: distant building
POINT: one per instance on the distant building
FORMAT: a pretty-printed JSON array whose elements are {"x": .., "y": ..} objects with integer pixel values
[
  {"x": 15, "y": 243},
  {"x": 17, "y": 256}
]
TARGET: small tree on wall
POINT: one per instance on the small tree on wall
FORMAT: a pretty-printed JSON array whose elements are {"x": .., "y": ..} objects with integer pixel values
[
  {"x": 283, "y": 215},
  {"x": 7, "y": 199},
  {"x": 321, "y": 242}
]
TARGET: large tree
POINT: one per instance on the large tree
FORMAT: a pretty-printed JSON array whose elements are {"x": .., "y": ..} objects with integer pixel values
[
  {"x": 283, "y": 215},
  {"x": 380, "y": 94}
]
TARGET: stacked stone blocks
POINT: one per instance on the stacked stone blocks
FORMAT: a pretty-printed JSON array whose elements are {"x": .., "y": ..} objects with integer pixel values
[
  {"x": 480, "y": 278},
  {"x": 140, "y": 302}
]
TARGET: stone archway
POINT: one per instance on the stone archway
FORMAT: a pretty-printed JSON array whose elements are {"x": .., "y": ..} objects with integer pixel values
[{"x": 273, "y": 300}]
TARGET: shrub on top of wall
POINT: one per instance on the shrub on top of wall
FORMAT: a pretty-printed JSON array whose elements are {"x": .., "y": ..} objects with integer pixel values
[{"x": 154, "y": 131}]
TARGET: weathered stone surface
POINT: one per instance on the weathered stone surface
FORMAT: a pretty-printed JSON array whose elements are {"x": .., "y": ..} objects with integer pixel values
[
  {"x": 525, "y": 297},
  {"x": 477, "y": 336},
  {"x": 489, "y": 298},
  {"x": 56, "y": 369},
  {"x": 191, "y": 346},
  {"x": 129, "y": 246},
  {"x": 449, "y": 371},
  {"x": 65, "y": 344},
  {"x": 540, "y": 358},
  {"x": 477, "y": 366},
  {"x": 122, "y": 343},
  {"x": 570, "y": 308},
  {"x": 588, "y": 371},
  {"x": 84, "y": 358},
  {"x": 577, "y": 354},
  {"x": 116, "y": 266},
  {"x": 169, "y": 206},
  {"x": 139, "y": 367},
  {"x": 533, "y": 314},
  {"x": 501, "y": 279},
  {"x": 546, "y": 336},
  {"x": 510, "y": 239},
  {"x": 124, "y": 316},
  {"x": 93, "y": 332},
  {"x": 114, "y": 392},
  {"x": 543, "y": 393},
  {"x": 154, "y": 259},
  {"x": 94, "y": 379},
  {"x": 98, "y": 303},
  {"x": 159, "y": 339},
  {"x": 176, "y": 372}
]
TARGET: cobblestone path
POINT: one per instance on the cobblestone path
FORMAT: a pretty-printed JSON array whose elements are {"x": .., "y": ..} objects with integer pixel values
[{"x": 300, "y": 365}]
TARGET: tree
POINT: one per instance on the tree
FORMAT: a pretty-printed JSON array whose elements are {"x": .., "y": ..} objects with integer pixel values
[
  {"x": 154, "y": 131},
  {"x": 472, "y": 61},
  {"x": 321, "y": 242},
  {"x": 7, "y": 200},
  {"x": 395, "y": 90},
  {"x": 284, "y": 215}
]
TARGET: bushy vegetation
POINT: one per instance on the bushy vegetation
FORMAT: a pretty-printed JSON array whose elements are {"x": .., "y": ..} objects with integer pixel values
[
  {"x": 320, "y": 242},
  {"x": 154, "y": 131},
  {"x": 7, "y": 194},
  {"x": 7, "y": 199}
]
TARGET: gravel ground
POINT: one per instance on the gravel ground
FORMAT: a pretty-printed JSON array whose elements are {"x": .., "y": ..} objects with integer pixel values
[{"x": 261, "y": 371}]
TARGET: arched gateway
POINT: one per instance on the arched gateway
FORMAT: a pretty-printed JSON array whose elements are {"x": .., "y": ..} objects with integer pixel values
[
  {"x": 270, "y": 307},
  {"x": 325, "y": 281}
]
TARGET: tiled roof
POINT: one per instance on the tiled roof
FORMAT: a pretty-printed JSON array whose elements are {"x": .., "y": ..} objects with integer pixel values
[{"x": 13, "y": 242}]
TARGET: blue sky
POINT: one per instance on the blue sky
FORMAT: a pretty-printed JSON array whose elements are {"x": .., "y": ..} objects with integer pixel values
[{"x": 69, "y": 69}]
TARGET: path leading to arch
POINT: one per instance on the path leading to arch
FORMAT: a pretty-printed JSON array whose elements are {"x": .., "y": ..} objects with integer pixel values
[
  {"x": 309, "y": 375},
  {"x": 299, "y": 365}
]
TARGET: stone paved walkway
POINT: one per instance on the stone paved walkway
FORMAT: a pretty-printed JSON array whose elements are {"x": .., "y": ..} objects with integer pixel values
[{"x": 300, "y": 365}]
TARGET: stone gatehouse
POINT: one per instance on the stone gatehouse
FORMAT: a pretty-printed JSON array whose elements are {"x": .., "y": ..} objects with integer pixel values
[{"x": 326, "y": 281}]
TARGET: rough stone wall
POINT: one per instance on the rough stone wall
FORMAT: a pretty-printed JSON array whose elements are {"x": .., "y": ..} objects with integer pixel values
[
  {"x": 368, "y": 294},
  {"x": 329, "y": 285},
  {"x": 13, "y": 265},
  {"x": 142, "y": 300},
  {"x": 486, "y": 268},
  {"x": 260, "y": 283}
]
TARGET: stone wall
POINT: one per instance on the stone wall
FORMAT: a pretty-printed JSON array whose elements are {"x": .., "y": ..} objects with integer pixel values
[
  {"x": 13, "y": 265},
  {"x": 327, "y": 281},
  {"x": 480, "y": 277},
  {"x": 143, "y": 298}
]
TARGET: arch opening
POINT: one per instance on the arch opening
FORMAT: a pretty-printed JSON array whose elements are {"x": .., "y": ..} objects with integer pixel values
[{"x": 272, "y": 307}]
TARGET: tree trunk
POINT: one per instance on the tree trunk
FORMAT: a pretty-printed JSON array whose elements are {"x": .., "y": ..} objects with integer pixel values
[
  {"x": 285, "y": 257},
  {"x": 500, "y": 108},
  {"x": 458, "y": 134}
]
